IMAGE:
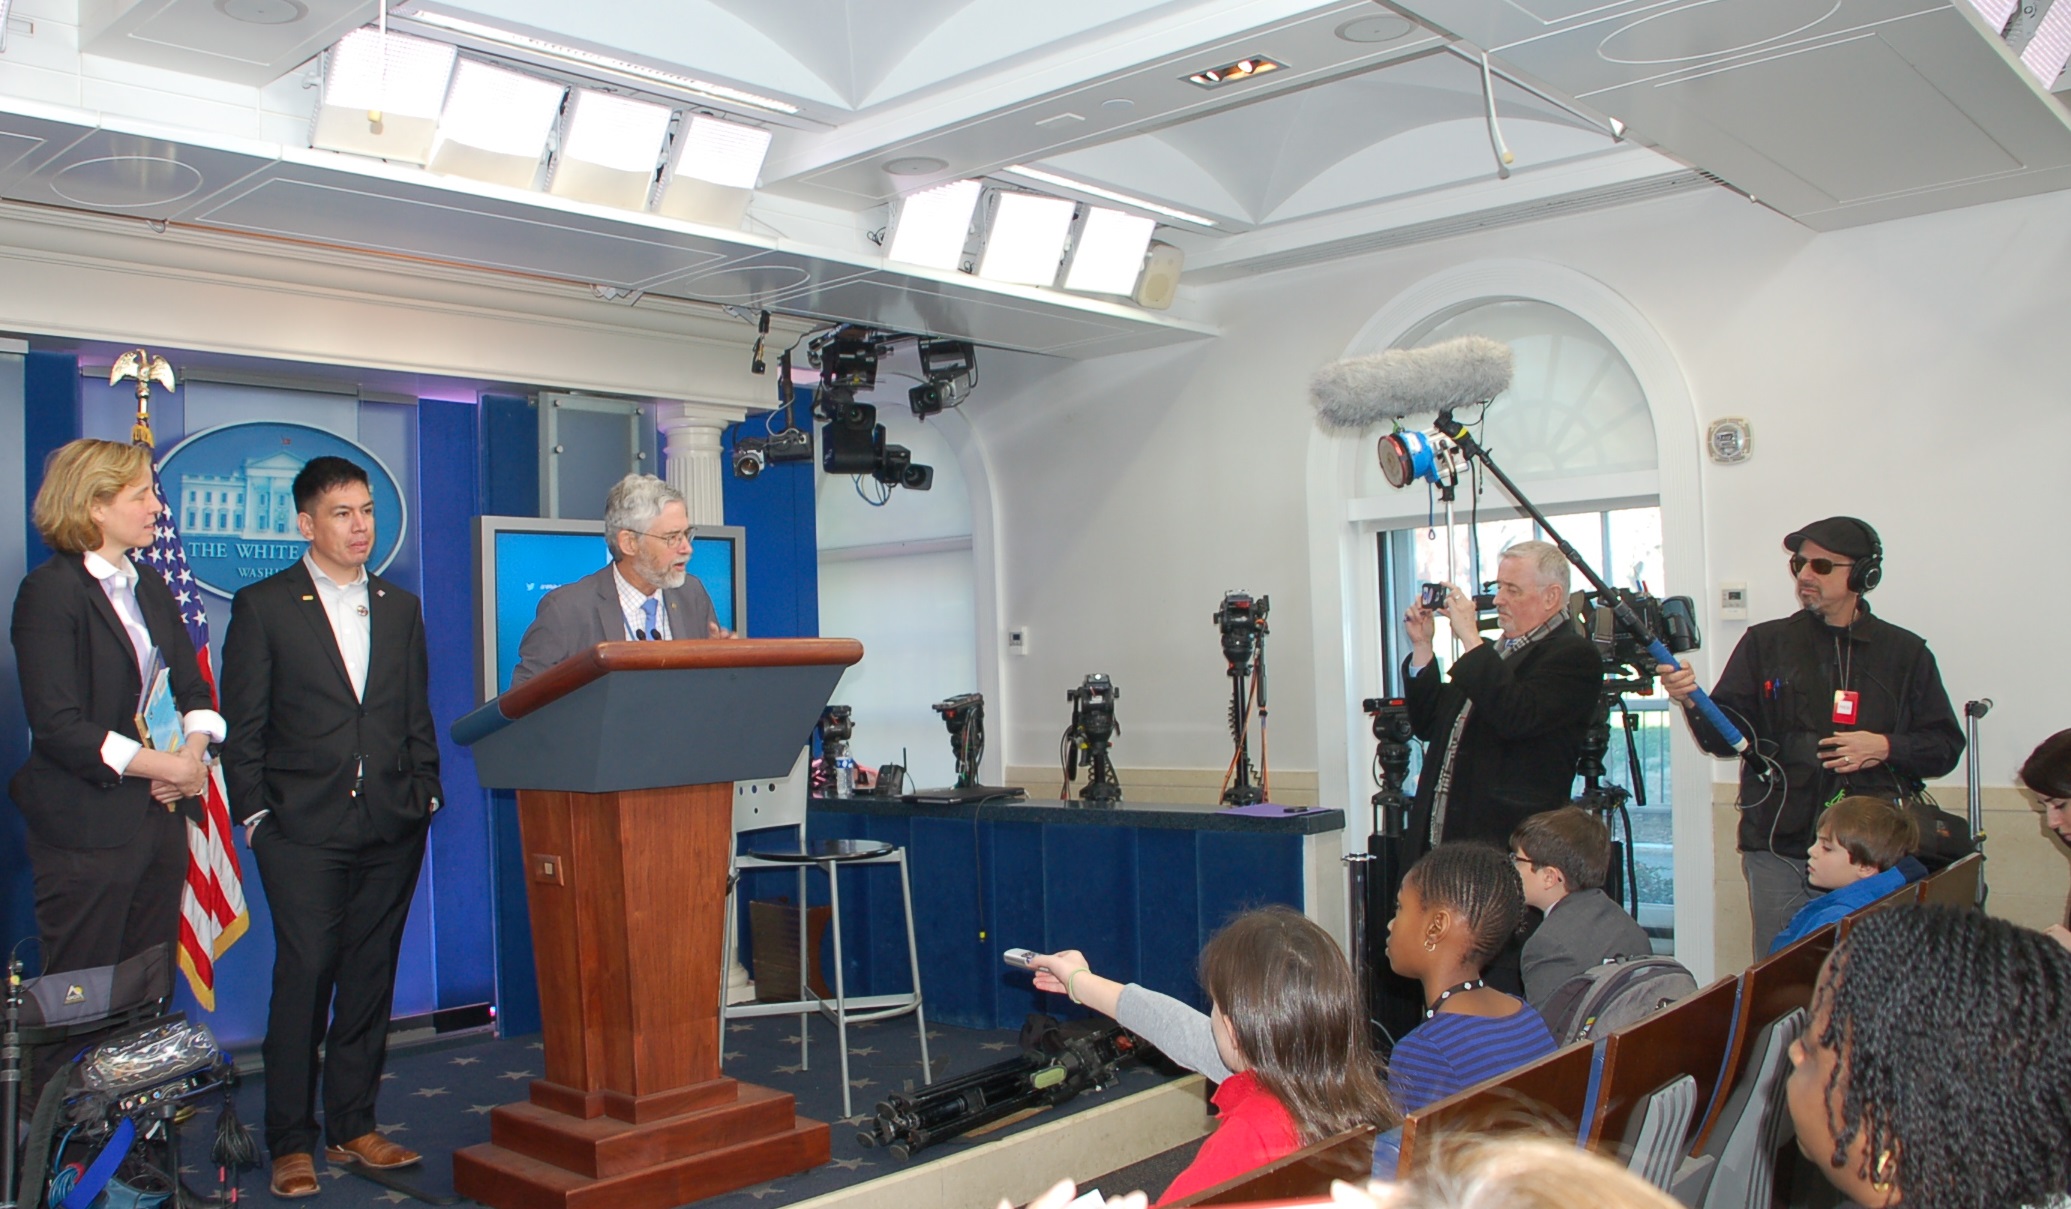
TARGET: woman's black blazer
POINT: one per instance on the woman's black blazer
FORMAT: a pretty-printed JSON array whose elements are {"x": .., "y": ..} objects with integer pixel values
[{"x": 80, "y": 681}]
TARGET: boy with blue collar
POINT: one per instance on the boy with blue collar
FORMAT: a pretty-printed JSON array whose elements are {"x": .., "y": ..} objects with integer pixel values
[{"x": 1863, "y": 852}]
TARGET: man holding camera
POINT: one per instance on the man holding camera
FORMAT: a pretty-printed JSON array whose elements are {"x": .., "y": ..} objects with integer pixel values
[
  {"x": 1836, "y": 701},
  {"x": 1504, "y": 729}
]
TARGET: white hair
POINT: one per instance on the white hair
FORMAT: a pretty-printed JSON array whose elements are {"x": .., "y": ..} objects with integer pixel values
[
  {"x": 1545, "y": 559},
  {"x": 631, "y": 506}
]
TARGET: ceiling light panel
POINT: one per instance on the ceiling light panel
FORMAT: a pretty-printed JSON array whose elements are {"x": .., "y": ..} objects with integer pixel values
[
  {"x": 1110, "y": 252},
  {"x": 1027, "y": 238},
  {"x": 723, "y": 153},
  {"x": 597, "y": 62},
  {"x": 609, "y": 149},
  {"x": 933, "y": 225},
  {"x": 495, "y": 124},
  {"x": 382, "y": 95},
  {"x": 1231, "y": 73}
]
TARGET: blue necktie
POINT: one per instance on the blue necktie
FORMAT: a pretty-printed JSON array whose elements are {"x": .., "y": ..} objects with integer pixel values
[{"x": 650, "y": 605}]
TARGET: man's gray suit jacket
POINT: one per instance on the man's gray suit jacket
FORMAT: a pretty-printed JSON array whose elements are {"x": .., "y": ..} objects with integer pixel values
[{"x": 577, "y": 616}]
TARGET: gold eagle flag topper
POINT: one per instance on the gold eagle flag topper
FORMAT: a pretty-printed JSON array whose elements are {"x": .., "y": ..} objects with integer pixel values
[{"x": 145, "y": 368}]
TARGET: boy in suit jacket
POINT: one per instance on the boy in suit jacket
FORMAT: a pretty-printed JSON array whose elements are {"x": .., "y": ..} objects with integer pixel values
[{"x": 333, "y": 767}]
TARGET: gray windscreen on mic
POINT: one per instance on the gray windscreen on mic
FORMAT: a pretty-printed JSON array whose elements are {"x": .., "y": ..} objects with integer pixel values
[{"x": 1361, "y": 391}]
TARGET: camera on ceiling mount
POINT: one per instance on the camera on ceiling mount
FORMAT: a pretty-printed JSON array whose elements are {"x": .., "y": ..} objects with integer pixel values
[
  {"x": 950, "y": 370},
  {"x": 851, "y": 439},
  {"x": 751, "y": 454}
]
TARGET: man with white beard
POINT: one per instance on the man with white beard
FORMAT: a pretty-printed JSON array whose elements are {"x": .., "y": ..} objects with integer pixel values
[{"x": 646, "y": 594}]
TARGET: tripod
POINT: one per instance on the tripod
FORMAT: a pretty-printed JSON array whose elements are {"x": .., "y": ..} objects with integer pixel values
[
  {"x": 1395, "y": 1004},
  {"x": 1603, "y": 800},
  {"x": 1247, "y": 663}
]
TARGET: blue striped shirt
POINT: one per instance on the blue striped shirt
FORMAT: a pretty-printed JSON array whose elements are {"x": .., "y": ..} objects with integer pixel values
[{"x": 1451, "y": 1052}]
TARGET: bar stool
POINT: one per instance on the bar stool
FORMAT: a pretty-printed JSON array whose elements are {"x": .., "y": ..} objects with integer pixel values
[{"x": 829, "y": 856}]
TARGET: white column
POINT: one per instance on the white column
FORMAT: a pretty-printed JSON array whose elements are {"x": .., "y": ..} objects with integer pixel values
[{"x": 692, "y": 458}]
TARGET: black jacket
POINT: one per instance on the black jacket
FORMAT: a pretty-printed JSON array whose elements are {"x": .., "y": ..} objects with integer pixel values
[
  {"x": 1517, "y": 755},
  {"x": 298, "y": 736},
  {"x": 80, "y": 681},
  {"x": 1779, "y": 684}
]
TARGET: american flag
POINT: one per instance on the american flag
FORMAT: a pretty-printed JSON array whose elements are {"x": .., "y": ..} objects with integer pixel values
[{"x": 212, "y": 908}]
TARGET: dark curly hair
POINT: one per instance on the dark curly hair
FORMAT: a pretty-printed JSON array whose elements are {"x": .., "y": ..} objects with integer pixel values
[
  {"x": 1478, "y": 882},
  {"x": 1953, "y": 1032}
]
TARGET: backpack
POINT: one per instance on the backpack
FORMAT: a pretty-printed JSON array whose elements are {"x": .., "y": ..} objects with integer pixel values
[{"x": 1605, "y": 998}]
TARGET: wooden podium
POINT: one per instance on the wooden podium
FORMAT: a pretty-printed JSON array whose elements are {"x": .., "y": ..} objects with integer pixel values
[{"x": 624, "y": 759}]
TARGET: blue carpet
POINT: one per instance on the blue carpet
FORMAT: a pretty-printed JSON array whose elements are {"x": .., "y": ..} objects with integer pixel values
[{"x": 436, "y": 1099}]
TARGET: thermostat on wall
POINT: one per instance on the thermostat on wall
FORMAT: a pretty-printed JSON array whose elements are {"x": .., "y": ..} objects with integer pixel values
[{"x": 1732, "y": 602}]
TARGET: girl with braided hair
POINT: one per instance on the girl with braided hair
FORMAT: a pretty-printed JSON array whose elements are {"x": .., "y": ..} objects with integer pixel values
[
  {"x": 1459, "y": 905},
  {"x": 1936, "y": 1071}
]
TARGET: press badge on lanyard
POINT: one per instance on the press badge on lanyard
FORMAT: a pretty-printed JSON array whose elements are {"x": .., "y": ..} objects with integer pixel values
[{"x": 1845, "y": 701}]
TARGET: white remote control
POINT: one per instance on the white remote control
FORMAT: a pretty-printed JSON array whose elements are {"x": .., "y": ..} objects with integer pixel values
[{"x": 1020, "y": 959}]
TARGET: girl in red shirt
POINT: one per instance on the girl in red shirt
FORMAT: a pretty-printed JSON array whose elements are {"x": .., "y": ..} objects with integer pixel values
[{"x": 1285, "y": 1039}]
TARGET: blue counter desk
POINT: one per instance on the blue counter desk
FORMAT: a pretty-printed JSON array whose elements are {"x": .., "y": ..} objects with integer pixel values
[{"x": 1139, "y": 889}]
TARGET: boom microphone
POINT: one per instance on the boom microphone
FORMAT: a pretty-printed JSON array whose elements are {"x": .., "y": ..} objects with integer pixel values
[{"x": 1361, "y": 391}]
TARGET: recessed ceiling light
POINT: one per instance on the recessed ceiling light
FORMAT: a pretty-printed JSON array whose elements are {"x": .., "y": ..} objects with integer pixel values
[
  {"x": 1382, "y": 27},
  {"x": 933, "y": 224},
  {"x": 1118, "y": 104},
  {"x": 1027, "y": 238},
  {"x": 1249, "y": 67},
  {"x": 914, "y": 165},
  {"x": 609, "y": 64},
  {"x": 1065, "y": 182}
]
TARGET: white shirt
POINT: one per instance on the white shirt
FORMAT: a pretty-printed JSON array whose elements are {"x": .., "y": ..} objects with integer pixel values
[
  {"x": 346, "y": 606},
  {"x": 634, "y": 606},
  {"x": 120, "y": 583}
]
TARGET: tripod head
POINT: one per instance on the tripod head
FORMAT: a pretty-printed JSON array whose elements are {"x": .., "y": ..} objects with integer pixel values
[{"x": 964, "y": 715}]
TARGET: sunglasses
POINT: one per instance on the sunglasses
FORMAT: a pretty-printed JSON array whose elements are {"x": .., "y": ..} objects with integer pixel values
[{"x": 1820, "y": 566}]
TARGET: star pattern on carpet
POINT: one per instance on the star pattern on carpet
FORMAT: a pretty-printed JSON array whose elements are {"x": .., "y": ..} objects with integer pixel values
[
  {"x": 429, "y": 1092},
  {"x": 393, "y": 1197},
  {"x": 335, "y": 1173},
  {"x": 385, "y": 1130},
  {"x": 860, "y": 1084},
  {"x": 996, "y": 1046},
  {"x": 863, "y": 1051},
  {"x": 516, "y": 1074},
  {"x": 850, "y": 1164},
  {"x": 732, "y": 1055},
  {"x": 763, "y": 1190},
  {"x": 464, "y": 1061},
  {"x": 481, "y": 1110},
  {"x": 740, "y": 1028},
  {"x": 789, "y": 1070},
  {"x": 387, "y": 1075},
  {"x": 537, "y": 1045}
]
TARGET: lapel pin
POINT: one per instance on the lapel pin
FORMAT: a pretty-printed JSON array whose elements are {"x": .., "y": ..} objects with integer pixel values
[
  {"x": 309, "y": 598},
  {"x": 361, "y": 610},
  {"x": 381, "y": 591}
]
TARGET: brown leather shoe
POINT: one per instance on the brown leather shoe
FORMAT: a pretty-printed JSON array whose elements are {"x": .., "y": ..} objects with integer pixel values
[
  {"x": 373, "y": 1150},
  {"x": 294, "y": 1177}
]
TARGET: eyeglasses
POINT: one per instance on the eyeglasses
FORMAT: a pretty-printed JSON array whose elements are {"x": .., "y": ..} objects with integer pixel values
[
  {"x": 672, "y": 539},
  {"x": 1820, "y": 566},
  {"x": 1519, "y": 858}
]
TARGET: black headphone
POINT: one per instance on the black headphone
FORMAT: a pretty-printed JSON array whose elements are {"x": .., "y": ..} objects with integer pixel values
[{"x": 1868, "y": 570}]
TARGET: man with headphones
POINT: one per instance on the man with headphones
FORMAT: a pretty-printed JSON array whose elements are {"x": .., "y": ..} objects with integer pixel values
[{"x": 1837, "y": 700}]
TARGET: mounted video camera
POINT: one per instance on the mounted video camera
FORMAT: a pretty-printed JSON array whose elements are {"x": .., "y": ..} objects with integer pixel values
[
  {"x": 835, "y": 724},
  {"x": 1242, "y": 619},
  {"x": 751, "y": 454},
  {"x": 1093, "y": 708},
  {"x": 852, "y": 441},
  {"x": 1390, "y": 716},
  {"x": 1625, "y": 655}
]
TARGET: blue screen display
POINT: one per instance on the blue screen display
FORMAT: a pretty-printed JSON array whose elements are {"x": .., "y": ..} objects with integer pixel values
[{"x": 530, "y": 565}]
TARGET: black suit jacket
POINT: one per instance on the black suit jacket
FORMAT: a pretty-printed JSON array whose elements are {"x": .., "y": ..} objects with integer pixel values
[
  {"x": 1517, "y": 755},
  {"x": 298, "y": 736},
  {"x": 80, "y": 681}
]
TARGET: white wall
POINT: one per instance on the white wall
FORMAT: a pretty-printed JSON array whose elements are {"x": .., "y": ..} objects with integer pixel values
[{"x": 1907, "y": 372}]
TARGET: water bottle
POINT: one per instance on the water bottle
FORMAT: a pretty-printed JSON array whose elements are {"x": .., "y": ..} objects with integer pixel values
[{"x": 844, "y": 776}]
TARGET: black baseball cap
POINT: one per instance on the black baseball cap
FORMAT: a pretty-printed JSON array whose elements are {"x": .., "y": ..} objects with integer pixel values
[{"x": 1842, "y": 534}]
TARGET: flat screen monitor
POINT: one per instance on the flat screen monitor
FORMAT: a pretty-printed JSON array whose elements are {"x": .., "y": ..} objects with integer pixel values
[{"x": 519, "y": 559}]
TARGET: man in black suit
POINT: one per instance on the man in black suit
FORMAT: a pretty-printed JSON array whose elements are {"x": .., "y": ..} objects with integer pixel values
[
  {"x": 333, "y": 767},
  {"x": 1503, "y": 731},
  {"x": 646, "y": 593}
]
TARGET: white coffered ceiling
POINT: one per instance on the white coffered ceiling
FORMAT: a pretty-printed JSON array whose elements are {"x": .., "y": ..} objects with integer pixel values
[{"x": 1376, "y": 133}]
